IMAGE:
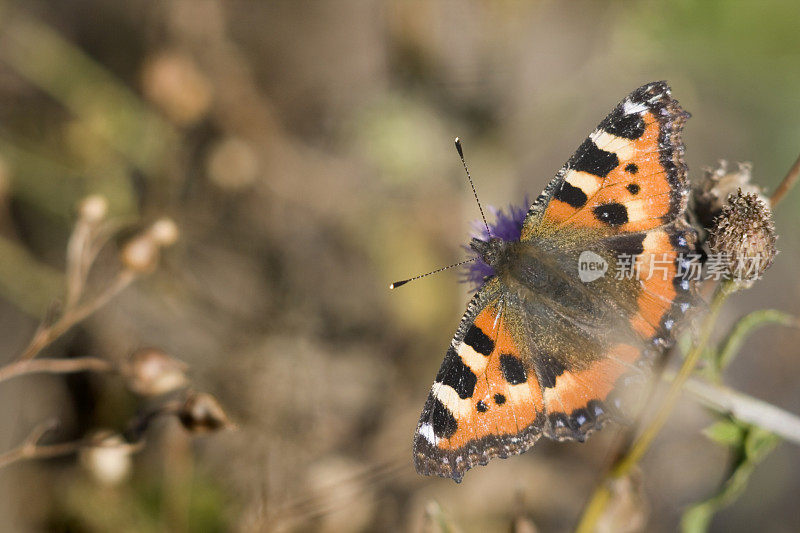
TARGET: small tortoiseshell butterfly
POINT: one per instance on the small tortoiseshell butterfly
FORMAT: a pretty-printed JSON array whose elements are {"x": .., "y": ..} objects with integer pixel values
[{"x": 540, "y": 351}]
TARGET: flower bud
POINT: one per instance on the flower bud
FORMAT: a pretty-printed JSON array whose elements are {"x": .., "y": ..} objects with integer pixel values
[
  {"x": 151, "y": 372},
  {"x": 202, "y": 413},
  {"x": 744, "y": 235}
]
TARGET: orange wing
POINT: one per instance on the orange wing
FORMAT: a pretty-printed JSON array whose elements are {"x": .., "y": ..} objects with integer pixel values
[
  {"x": 627, "y": 176},
  {"x": 626, "y": 188},
  {"x": 494, "y": 398},
  {"x": 484, "y": 403},
  {"x": 623, "y": 192}
]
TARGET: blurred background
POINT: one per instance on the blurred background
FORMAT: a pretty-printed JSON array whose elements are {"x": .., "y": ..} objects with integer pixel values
[{"x": 305, "y": 151}]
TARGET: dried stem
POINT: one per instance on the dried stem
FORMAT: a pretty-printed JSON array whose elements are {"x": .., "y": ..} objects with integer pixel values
[
  {"x": 635, "y": 451},
  {"x": 55, "y": 366},
  {"x": 788, "y": 182},
  {"x": 47, "y": 334},
  {"x": 31, "y": 449},
  {"x": 76, "y": 265}
]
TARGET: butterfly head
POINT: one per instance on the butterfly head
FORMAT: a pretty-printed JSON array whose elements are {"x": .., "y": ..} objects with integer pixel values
[{"x": 492, "y": 251}]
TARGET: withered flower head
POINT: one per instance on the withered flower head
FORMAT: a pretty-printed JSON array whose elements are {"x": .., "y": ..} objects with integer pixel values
[
  {"x": 107, "y": 457},
  {"x": 151, "y": 372},
  {"x": 716, "y": 185},
  {"x": 202, "y": 413},
  {"x": 743, "y": 235}
]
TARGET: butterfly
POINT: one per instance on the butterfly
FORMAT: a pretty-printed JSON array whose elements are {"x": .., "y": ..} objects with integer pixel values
[{"x": 543, "y": 350}]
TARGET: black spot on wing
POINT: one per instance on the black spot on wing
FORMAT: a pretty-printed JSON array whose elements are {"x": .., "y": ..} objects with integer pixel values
[
  {"x": 612, "y": 213},
  {"x": 499, "y": 399},
  {"x": 633, "y": 188},
  {"x": 481, "y": 406},
  {"x": 513, "y": 369},
  {"x": 549, "y": 368},
  {"x": 627, "y": 126},
  {"x": 457, "y": 375},
  {"x": 443, "y": 421},
  {"x": 629, "y": 244},
  {"x": 632, "y": 168},
  {"x": 571, "y": 195},
  {"x": 590, "y": 158},
  {"x": 478, "y": 340}
]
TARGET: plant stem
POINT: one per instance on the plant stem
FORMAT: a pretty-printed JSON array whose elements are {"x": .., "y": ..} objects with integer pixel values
[
  {"x": 30, "y": 448},
  {"x": 38, "y": 452},
  {"x": 788, "y": 182},
  {"x": 634, "y": 453},
  {"x": 55, "y": 366},
  {"x": 50, "y": 333}
]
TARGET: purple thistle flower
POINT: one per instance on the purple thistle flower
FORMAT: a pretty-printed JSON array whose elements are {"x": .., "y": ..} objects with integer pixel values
[{"x": 506, "y": 226}]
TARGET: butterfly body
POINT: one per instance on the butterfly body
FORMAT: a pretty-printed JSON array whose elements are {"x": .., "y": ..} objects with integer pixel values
[{"x": 543, "y": 350}]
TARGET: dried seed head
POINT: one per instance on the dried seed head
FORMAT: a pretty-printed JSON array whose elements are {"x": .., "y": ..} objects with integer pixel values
[
  {"x": 202, "y": 413},
  {"x": 151, "y": 372},
  {"x": 107, "y": 457},
  {"x": 743, "y": 236},
  {"x": 716, "y": 185},
  {"x": 165, "y": 232},
  {"x": 141, "y": 253},
  {"x": 93, "y": 208}
]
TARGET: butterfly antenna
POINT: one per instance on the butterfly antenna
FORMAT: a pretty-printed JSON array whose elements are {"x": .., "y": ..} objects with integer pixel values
[
  {"x": 403, "y": 282},
  {"x": 475, "y": 194}
]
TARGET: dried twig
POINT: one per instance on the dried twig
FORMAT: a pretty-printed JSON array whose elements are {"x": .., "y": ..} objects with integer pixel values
[
  {"x": 788, "y": 182},
  {"x": 55, "y": 366},
  {"x": 31, "y": 449},
  {"x": 48, "y": 333}
]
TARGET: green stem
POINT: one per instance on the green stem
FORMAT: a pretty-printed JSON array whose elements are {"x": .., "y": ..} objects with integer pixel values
[
  {"x": 744, "y": 327},
  {"x": 602, "y": 494}
]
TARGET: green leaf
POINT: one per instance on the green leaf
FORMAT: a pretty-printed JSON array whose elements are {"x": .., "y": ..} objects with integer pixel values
[
  {"x": 726, "y": 432},
  {"x": 753, "y": 444},
  {"x": 697, "y": 518},
  {"x": 759, "y": 443}
]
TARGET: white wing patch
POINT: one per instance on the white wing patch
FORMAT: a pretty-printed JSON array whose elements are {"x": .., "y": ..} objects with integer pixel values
[
  {"x": 630, "y": 108},
  {"x": 611, "y": 143},
  {"x": 426, "y": 430}
]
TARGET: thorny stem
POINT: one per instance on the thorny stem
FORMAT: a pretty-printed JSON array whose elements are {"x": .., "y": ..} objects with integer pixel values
[
  {"x": 48, "y": 334},
  {"x": 634, "y": 453},
  {"x": 788, "y": 182}
]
